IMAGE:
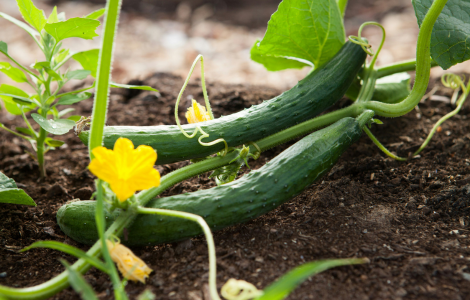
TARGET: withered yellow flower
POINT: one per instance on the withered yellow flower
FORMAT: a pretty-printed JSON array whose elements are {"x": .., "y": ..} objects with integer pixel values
[
  {"x": 197, "y": 113},
  {"x": 130, "y": 266},
  {"x": 126, "y": 169}
]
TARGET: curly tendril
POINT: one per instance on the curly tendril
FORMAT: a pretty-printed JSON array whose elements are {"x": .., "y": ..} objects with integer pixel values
[
  {"x": 365, "y": 45},
  {"x": 208, "y": 108}
]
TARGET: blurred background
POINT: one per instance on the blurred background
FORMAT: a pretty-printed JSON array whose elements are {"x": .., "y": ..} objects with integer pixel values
[{"x": 166, "y": 36}]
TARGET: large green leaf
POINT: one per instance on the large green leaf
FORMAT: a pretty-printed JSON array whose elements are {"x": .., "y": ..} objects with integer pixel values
[
  {"x": 274, "y": 63},
  {"x": 31, "y": 14},
  {"x": 450, "y": 40},
  {"x": 10, "y": 193},
  {"x": 12, "y": 72},
  {"x": 75, "y": 27},
  {"x": 289, "y": 281},
  {"x": 58, "y": 127},
  {"x": 309, "y": 30},
  {"x": 88, "y": 59}
]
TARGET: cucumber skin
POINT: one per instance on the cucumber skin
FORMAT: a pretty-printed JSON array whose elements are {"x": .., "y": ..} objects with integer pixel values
[
  {"x": 254, "y": 194},
  {"x": 310, "y": 97}
]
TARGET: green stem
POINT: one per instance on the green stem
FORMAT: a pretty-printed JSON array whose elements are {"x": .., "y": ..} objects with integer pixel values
[
  {"x": 403, "y": 66},
  {"x": 76, "y": 91},
  {"x": 29, "y": 124},
  {"x": 209, "y": 239},
  {"x": 101, "y": 224},
  {"x": 103, "y": 75},
  {"x": 382, "y": 147},
  {"x": 423, "y": 67},
  {"x": 41, "y": 150},
  {"x": 13, "y": 132}
]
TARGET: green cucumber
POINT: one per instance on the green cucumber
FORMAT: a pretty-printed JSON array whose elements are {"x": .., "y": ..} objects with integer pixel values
[
  {"x": 310, "y": 97},
  {"x": 254, "y": 194}
]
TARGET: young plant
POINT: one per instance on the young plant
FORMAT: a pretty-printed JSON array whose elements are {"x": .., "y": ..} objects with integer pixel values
[{"x": 46, "y": 77}]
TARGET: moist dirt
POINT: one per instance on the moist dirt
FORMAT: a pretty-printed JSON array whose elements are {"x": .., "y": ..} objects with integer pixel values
[{"x": 409, "y": 218}]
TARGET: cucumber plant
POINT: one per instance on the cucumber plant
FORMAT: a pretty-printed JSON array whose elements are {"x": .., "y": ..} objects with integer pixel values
[
  {"x": 46, "y": 78},
  {"x": 264, "y": 189}
]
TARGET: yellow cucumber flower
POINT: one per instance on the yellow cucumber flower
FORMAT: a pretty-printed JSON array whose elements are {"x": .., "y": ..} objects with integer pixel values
[
  {"x": 126, "y": 169},
  {"x": 130, "y": 266},
  {"x": 197, "y": 113}
]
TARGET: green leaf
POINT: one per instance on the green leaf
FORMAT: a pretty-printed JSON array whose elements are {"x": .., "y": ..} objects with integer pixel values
[
  {"x": 289, "y": 281},
  {"x": 65, "y": 111},
  {"x": 26, "y": 131},
  {"x": 12, "y": 72},
  {"x": 4, "y": 48},
  {"x": 75, "y": 27},
  {"x": 47, "y": 67},
  {"x": 53, "y": 16},
  {"x": 274, "y": 63},
  {"x": 31, "y": 14},
  {"x": 69, "y": 250},
  {"x": 74, "y": 98},
  {"x": 10, "y": 193},
  {"x": 78, "y": 283},
  {"x": 96, "y": 14},
  {"x": 450, "y": 39},
  {"x": 8, "y": 93},
  {"x": 133, "y": 87},
  {"x": 53, "y": 143},
  {"x": 75, "y": 118},
  {"x": 88, "y": 59},
  {"x": 57, "y": 127},
  {"x": 393, "y": 88},
  {"x": 309, "y": 30},
  {"x": 63, "y": 53},
  {"x": 77, "y": 74}
]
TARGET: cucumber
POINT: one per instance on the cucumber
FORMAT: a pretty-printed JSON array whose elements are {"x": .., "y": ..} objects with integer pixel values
[
  {"x": 310, "y": 97},
  {"x": 254, "y": 194}
]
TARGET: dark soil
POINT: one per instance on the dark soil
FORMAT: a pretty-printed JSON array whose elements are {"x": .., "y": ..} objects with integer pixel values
[{"x": 410, "y": 219}]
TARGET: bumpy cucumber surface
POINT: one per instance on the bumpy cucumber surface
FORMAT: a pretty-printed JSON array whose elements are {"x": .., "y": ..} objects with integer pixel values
[
  {"x": 310, "y": 97},
  {"x": 254, "y": 194}
]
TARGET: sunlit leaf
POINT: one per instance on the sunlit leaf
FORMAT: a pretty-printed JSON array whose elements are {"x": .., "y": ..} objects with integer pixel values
[
  {"x": 75, "y": 27},
  {"x": 96, "y": 14},
  {"x": 58, "y": 127},
  {"x": 88, "y": 59},
  {"x": 31, "y": 14},
  {"x": 10, "y": 193},
  {"x": 274, "y": 63},
  {"x": 310, "y": 30},
  {"x": 53, "y": 16},
  {"x": 8, "y": 93},
  {"x": 450, "y": 39},
  {"x": 14, "y": 73},
  {"x": 75, "y": 118}
]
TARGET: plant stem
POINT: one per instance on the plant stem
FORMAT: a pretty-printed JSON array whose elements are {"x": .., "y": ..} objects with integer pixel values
[
  {"x": 103, "y": 75},
  {"x": 40, "y": 151},
  {"x": 209, "y": 239},
  {"x": 423, "y": 66},
  {"x": 402, "y": 66},
  {"x": 382, "y": 147}
]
